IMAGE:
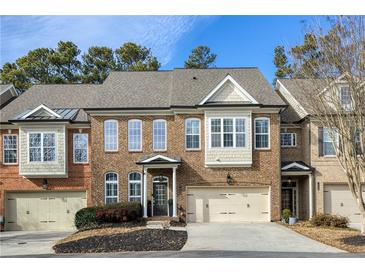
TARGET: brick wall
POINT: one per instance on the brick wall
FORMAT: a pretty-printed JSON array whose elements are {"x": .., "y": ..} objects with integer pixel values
[{"x": 265, "y": 170}]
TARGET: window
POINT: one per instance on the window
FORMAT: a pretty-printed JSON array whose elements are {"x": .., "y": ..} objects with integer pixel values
[
  {"x": 134, "y": 135},
  {"x": 111, "y": 188},
  {"x": 80, "y": 142},
  {"x": 10, "y": 149},
  {"x": 111, "y": 135},
  {"x": 262, "y": 133},
  {"x": 215, "y": 128},
  {"x": 192, "y": 133},
  {"x": 135, "y": 182},
  {"x": 42, "y": 147},
  {"x": 233, "y": 133},
  {"x": 240, "y": 132},
  {"x": 288, "y": 139},
  {"x": 345, "y": 97},
  {"x": 328, "y": 147},
  {"x": 159, "y": 135}
]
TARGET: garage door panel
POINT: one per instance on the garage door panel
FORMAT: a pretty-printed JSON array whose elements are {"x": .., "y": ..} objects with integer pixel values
[
  {"x": 42, "y": 210},
  {"x": 338, "y": 200},
  {"x": 228, "y": 204}
]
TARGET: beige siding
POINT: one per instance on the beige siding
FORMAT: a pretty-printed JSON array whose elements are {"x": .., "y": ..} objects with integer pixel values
[
  {"x": 228, "y": 156},
  {"x": 57, "y": 168},
  {"x": 228, "y": 93}
]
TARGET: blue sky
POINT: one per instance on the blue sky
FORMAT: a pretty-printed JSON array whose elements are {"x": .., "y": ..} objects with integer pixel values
[{"x": 239, "y": 41}]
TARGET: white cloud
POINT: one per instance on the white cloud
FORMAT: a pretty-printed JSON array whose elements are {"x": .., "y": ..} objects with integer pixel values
[{"x": 160, "y": 33}]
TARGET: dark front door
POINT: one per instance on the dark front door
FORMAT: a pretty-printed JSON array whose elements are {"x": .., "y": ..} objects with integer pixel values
[
  {"x": 159, "y": 199},
  {"x": 287, "y": 199}
]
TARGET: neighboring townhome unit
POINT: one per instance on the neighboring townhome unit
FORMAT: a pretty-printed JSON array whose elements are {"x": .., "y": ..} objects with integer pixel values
[
  {"x": 201, "y": 145},
  {"x": 312, "y": 178},
  {"x": 45, "y": 157}
]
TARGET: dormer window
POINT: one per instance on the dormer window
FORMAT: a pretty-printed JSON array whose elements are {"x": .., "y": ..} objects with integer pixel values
[{"x": 345, "y": 97}]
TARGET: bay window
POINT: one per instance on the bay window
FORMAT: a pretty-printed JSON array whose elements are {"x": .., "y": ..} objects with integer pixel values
[
  {"x": 42, "y": 147},
  {"x": 228, "y": 132}
]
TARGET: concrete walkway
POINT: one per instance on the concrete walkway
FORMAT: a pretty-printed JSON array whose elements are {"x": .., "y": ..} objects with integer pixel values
[
  {"x": 19, "y": 243},
  {"x": 251, "y": 237}
]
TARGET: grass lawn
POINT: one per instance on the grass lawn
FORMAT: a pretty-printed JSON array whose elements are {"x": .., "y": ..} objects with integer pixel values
[
  {"x": 117, "y": 239},
  {"x": 343, "y": 238}
]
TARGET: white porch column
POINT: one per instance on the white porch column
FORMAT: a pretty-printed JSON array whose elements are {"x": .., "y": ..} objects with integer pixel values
[
  {"x": 145, "y": 192},
  {"x": 174, "y": 214},
  {"x": 310, "y": 190}
]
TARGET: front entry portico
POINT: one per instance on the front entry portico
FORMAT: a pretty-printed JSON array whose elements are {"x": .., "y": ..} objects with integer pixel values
[
  {"x": 160, "y": 184},
  {"x": 297, "y": 189}
]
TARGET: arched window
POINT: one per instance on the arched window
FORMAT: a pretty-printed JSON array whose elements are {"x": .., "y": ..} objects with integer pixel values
[
  {"x": 262, "y": 133},
  {"x": 111, "y": 188},
  {"x": 192, "y": 133},
  {"x": 159, "y": 135},
  {"x": 111, "y": 135},
  {"x": 134, "y": 187}
]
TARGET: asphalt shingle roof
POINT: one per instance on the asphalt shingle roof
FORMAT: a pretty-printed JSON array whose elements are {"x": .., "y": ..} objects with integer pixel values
[
  {"x": 53, "y": 96},
  {"x": 143, "y": 89}
]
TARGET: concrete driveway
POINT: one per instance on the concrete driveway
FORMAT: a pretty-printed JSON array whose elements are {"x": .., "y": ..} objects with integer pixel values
[
  {"x": 251, "y": 237},
  {"x": 20, "y": 243}
]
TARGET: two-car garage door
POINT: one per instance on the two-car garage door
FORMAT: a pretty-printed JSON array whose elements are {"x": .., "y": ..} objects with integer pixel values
[
  {"x": 48, "y": 210},
  {"x": 338, "y": 200},
  {"x": 231, "y": 204}
]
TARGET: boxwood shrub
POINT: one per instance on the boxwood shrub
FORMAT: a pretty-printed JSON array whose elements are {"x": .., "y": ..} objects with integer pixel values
[{"x": 111, "y": 213}]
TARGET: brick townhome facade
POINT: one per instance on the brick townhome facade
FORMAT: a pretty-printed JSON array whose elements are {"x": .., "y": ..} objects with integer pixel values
[{"x": 252, "y": 151}]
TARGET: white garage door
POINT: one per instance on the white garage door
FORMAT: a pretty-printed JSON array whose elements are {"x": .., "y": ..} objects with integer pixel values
[
  {"x": 231, "y": 204},
  {"x": 42, "y": 210},
  {"x": 338, "y": 200}
]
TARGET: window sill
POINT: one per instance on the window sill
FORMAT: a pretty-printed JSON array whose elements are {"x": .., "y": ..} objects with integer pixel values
[
  {"x": 85, "y": 163},
  {"x": 193, "y": 149},
  {"x": 10, "y": 164}
]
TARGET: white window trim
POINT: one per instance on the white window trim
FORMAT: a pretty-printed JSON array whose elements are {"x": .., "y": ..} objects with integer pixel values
[
  {"x": 269, "y": 133},
  {"x": 47, "y": 109},
  {"x": 153, "y": 134},
  {"x": 186, "y": 134},
  {"x": 222, "y": 132},
  {"x": 292, "y": 145},
  {"x": 42, "y": 160},
  {"x": 117, "y": 139},
  {"x": 140, "y": 137},
  {"x": 17, "y": 150},
  {"x": 87, "y": 148},
  {"x": 323, "y": 142},
  {"x": 134, "y": 181},
  {"x": 105, "y": 183}
]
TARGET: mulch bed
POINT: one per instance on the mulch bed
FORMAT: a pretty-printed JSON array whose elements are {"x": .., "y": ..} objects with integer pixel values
[
  {"x": 138, "y": 240},
  {"x": 343, "y": 238}
]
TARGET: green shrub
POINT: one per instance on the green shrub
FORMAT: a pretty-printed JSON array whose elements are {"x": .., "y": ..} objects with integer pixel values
[
  {"x": 286, "y": 214},
  {"x": 329, "y": 220},
  {"x": 111, "y": 213},
  {"x": 86, "y": 217}
]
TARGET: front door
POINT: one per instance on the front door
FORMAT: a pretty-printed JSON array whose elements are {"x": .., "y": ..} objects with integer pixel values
[
  {"x": 160, "y": 199},
  {"x": 289, "y": 197}
]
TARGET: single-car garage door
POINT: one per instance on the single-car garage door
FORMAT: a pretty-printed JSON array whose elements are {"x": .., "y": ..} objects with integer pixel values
[
  {"x": 338, "y": 200},
  {"x": 49, "y": 210},
  {"x": 231, "y": 204}
]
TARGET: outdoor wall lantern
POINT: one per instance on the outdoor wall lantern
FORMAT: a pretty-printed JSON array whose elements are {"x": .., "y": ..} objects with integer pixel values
[
  {"x": 45, "y": 184},
  {"x": 229, "y": 179}
]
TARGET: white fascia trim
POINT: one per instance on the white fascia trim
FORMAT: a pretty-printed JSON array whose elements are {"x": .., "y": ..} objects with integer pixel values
[
  {"x": 159, "y": 156},
  {"x": 50, "y": 111},
  {"x": 229, "y": 78},
  {"x": 293, "y": 98},
  {"x": 295, "y": 164}
]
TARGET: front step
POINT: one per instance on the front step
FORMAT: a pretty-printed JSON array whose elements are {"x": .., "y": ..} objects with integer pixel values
[{"x": 158, "y": 224}]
